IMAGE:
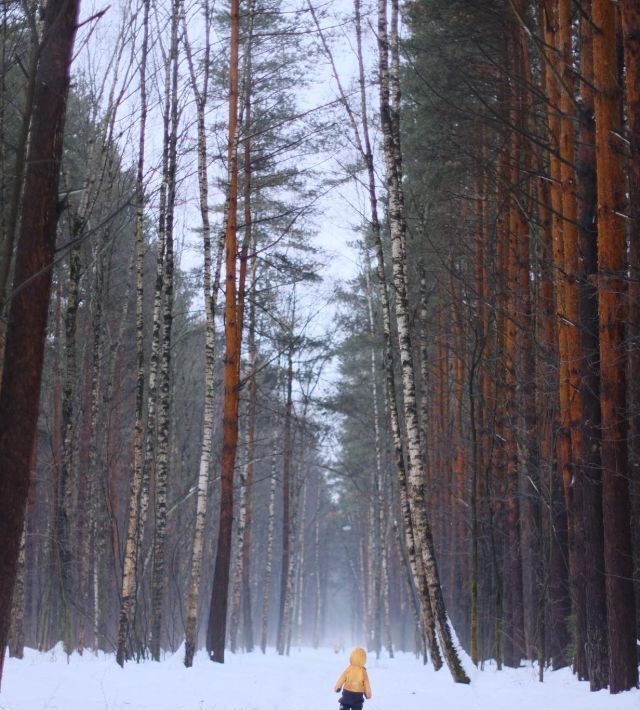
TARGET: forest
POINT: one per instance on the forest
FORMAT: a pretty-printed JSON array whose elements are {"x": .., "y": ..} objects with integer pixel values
[{"x": 320, "y": 324}]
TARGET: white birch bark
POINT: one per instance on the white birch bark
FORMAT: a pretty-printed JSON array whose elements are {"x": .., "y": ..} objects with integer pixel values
[
  {"x": 94, "y": 546},
  {"x": 238, "y": 561},
  {"x": 389, "y": 112},
  {"x": 162, "y": 472},
  {"x": 128, "y": 586},
  {"x": 386, "y": 606},
  {"x": 201, "y": 95}
]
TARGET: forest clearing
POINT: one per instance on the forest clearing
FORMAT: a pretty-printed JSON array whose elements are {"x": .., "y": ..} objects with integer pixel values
[{"x": 319, "y": 327}]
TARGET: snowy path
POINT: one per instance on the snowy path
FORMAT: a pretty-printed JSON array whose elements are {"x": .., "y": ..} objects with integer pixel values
[{"x": 302, "y": 681}]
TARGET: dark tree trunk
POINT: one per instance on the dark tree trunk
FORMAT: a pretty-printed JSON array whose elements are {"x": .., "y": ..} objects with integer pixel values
[
  {"x": 623, "y": 668},
  {"x": 590, "y": 464},
  {"x": 285, "y": 569},
  {"x": 630, "y": 12},
  {"x": 24, "y": 350}
]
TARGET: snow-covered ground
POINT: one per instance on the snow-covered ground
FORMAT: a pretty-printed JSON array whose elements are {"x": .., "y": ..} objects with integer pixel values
[{"x": 302, "y": 681}]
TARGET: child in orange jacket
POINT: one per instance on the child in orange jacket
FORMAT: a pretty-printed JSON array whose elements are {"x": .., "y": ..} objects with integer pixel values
[{"x": 354, "y": 682}]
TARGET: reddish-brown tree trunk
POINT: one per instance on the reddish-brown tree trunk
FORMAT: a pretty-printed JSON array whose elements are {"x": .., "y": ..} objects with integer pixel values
[
  {"x": 216, "y": 631},
  {"x": 612, "y": 260},
  {"x": 25, "y": 336},
  {"x": 570, "y": 345},
  {"x": 559, "y": 478},
  {"x": 590, "y": 465}
]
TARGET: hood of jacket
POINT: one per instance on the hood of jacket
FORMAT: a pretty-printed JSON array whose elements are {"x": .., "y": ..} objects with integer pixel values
[{"x": 358, "y": 657}]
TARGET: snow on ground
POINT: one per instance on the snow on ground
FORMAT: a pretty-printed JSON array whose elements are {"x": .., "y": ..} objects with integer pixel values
[{"x": 302, "y": 681}]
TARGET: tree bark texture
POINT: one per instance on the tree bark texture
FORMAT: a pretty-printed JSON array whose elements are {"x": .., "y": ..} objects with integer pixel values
[
  {"x": 287, "y": 513},
  {"x": 630, "y": 14},
  {"x": 164, "y": 430},
  {"x": 216, "y": 631},
  {"x": 127, "y": 593},
  {"x": 24, "y": 348},
  {"x": 209, "y": 298},
  {"x": 623, "y": 669},
  {"x": 597, "y": 654}
]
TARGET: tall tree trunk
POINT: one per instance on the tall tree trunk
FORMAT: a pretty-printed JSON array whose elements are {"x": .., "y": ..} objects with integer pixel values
[
  {"x": 241, "y": 588},
  {"x": 559, "y": 523},
  {"x": 569, "y": 316},
  {"x": 94, "y": 533},
  {"x": 477, "y": 407},
  {"x": 623, "y": 672},
  {"x": 128, "y": 587},
  {"x": 67, "y": 482},
  {"x": 209, "y": 297},
  {"x": 516, "y": 334},
  {"x": 24, "y": 350},
  {"x": 597, "y": 657},
  {"x": 216, "y": 631},
  {"x": 158, "y": 578},
  {"x": 630, "y": 12},
  {"x": 285, "y": 570},
  {"x": 50, "y": 552}
]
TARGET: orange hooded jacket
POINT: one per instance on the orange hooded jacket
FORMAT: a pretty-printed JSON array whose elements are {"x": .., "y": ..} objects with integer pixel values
[{"x": 354, "y": 677}]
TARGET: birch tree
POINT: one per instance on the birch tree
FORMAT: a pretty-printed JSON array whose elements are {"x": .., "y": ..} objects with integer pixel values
[
  {"x": 201, "y": 95},
  {"x": 162, "y": 471},
  {"x": 128, "y": 587},
  {"x": 389, "y": 113}
]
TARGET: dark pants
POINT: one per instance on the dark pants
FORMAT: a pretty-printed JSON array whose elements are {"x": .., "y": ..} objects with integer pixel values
[{"x": 351, "y": 700}]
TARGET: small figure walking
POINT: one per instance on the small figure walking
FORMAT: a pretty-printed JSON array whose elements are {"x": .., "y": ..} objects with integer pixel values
[{"x": 354, "y": 682}]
